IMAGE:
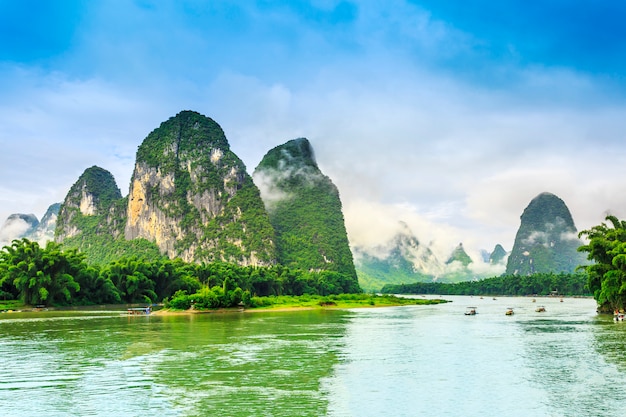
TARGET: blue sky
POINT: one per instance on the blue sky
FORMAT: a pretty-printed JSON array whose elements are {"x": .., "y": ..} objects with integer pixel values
[{"x": 450, "y": 116}]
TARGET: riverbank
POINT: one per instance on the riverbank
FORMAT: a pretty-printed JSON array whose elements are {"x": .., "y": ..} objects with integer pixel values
[
  {"x": 306, "y": 302},
  {"x": 259, "y": 304}
]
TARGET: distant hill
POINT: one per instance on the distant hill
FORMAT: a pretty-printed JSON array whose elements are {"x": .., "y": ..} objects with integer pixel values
[
  {"x": 18, "y": 226},
  {"x": 459, "y": 255},
  {"x": 44, "y": 231},
  {"x": 402, "y": 259},
  {"x": 305, "y": 210},
  {"x": 546, "y": 240},
  {"x": 498, "y": 255}
]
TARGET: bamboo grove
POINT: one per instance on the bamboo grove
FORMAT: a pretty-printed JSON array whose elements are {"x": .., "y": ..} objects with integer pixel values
[{"x": 49, "y": 275}]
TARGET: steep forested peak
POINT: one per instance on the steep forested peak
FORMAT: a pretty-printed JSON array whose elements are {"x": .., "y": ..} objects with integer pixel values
[
  {"x": 305, "y": 210},
  {"x": 459, "y": 255},
  {"x": 286, "y": 169},
  {"x": 497, "y": 255},
  {"x": 546, "y": 240},
  {"x": 187, "y": 132},
  {"x": 544, "y": 209},
  {"x": 294, "y": 153},
  {"x": 100, "y": 187}
]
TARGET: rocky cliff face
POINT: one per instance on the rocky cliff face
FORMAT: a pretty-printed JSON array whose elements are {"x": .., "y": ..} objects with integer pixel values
[
  {"x": 191, "y": 195},
  {"x": 305, "y": 210},
  {"x": 546, "y": 240}
]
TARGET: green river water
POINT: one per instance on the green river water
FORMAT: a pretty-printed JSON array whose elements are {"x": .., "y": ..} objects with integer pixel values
[{"x": 395, "y": 361}]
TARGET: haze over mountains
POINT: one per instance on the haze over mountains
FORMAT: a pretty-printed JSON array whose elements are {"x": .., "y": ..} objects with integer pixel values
[{"x": 191, "y": 197}]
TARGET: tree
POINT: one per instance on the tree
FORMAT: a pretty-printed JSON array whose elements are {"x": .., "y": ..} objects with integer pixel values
[
  {"x": 95, "y": 288},
  {"x": 607, "y": 274},
  {"x": 41, "y": 275},
  {"x": 130, "y": 277}
]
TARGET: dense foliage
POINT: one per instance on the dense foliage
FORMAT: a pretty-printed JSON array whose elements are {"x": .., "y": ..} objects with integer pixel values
[
  {"x": 309, "y": 223},
  {"x": 546, "y": 240},
  {"x": 514, "y": 285},
  {"x": 51, "y": 276},
  {"x": 607, "y": 273}
]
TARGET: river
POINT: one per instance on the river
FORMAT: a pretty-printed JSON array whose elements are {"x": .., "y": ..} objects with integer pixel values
[{"x": 396, "y": 361}]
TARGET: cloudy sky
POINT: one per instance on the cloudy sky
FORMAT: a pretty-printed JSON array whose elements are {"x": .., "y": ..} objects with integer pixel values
[{"x": 448, "y": 115}]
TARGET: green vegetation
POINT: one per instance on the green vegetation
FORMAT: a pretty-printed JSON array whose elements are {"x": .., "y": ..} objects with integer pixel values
[
  {"x": 459, "y": 255},
  {"x": 337, "y": 301},
  {"x": 96, "y": 182},
  {"x": 546, "y": 239},
  {"x": 96, "y": 236},
  {"x": 7, "y": 305},
  {"x": 497, "y": 255},
  {"x": 180, "y": 134},
  {"x": 52, "y": 276},
  {"x": 99, "y": 234},
  {"x": 309, "y": 223},
  {"x": 374, "y": 273},
  {"x": 39, "y": 275},
  {"x": 607, "y": 273},
  {"x": 513, "y": 285}
]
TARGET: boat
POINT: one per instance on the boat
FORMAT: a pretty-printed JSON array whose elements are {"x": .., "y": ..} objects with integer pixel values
[
  {"x": 540, "y": 309},
  {"x": 139, "y": 311},
  {"x": 509, "y": 311},
  {"x": 618, "y": 316},
  {"x": 470, "y": 311}
]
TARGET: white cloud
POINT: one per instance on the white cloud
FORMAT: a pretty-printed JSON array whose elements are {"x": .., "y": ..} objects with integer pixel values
[
  {"x": 402, "y": 139},
  {"x": 13, "y": 229}
]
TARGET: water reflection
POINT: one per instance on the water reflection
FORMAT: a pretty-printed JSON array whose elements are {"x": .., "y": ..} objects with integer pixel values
[
  {"x": 230, "y": 365},
  {"x": 610, "y": 341},
  {"x": 435, "y": 361},
  {"x": 405, "y": 361}
]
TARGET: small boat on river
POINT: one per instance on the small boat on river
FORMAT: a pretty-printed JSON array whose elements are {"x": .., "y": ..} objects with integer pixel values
[
  {"x": 470, "y": 311},
  {"x": 540, "y": 309},
  {"x": 509, "y": 311},
  {"x": 139, "y": 311}
]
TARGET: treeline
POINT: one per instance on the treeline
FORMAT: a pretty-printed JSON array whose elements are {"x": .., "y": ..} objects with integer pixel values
[
  {"x": 513, "y": 285},
  {"x": 607, "y": 272},
  {"x": 50, "y": 275}
]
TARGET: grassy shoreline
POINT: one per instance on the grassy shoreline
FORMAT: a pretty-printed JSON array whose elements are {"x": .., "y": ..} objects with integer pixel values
[
  {"x": 272, "y": 303},
  {"x": 315, "y": 302}
]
